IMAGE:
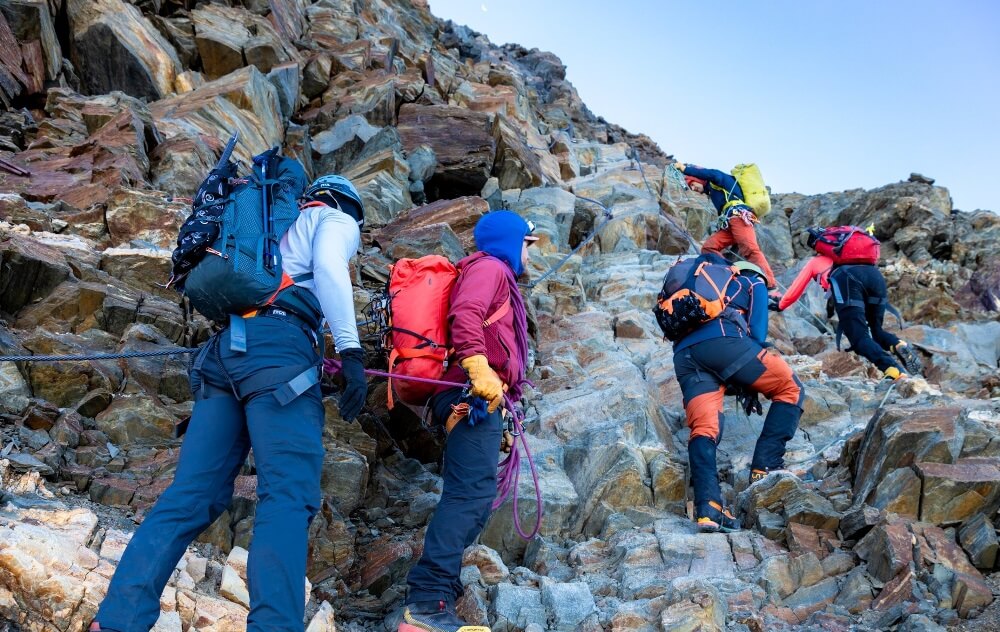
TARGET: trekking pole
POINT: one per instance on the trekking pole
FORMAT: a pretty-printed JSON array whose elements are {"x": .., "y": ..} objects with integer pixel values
[
  {"x": 265, "y": 211},
  {"x": 227, "y": 152}
]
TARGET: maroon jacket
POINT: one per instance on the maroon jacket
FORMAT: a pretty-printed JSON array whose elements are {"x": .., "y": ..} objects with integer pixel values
[{"x": 481, "y": 290}]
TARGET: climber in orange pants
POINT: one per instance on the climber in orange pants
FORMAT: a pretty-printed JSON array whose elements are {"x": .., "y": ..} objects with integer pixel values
[
  {"x": 736, "y": 218},
  {"x": 729, "y": 352}
]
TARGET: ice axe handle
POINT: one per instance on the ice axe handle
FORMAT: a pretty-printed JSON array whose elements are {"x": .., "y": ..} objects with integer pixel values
[{"x": 228, "y": 151}]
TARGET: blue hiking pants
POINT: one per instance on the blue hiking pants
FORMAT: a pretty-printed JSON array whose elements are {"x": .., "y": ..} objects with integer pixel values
[
  {"x": 288, "y": 455},
  {"x": 469, "y": 471}
]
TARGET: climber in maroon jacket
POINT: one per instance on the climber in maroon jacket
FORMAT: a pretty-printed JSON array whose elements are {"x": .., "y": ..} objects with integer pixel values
[{"x": 489, "y": 334}]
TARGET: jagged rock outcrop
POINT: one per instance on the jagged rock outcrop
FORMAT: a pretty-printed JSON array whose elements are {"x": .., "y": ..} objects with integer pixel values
[{"x": 886, "y": 518}]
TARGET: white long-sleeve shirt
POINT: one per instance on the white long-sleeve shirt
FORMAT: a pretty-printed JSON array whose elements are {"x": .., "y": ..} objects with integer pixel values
[{"x": 322, "y": 241}]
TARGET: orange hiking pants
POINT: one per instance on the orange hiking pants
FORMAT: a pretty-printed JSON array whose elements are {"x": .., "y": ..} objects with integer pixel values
[
  {"x": 742, "y": 234},
  {"x": 704, "y": 370}
]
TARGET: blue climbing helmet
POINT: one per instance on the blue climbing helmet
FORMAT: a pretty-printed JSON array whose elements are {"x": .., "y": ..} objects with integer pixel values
[{"x": 337, "y": 191}]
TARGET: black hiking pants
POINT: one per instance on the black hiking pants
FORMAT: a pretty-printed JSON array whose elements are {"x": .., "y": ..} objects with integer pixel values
[
  {"x": 469, "y": 474},
  {"x": 860, "y": 298}
]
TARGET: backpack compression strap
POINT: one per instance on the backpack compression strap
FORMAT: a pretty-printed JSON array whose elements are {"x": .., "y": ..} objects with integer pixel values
[{"x": 432, "y": 350}]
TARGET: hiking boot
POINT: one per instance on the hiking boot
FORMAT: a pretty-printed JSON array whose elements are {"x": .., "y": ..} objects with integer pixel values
[
  {"x": 434, "y": 616},
  {"x": 909, "y": 358},
  {"x": 894, "y": 374},
  {"x": 714, "y": 518}
]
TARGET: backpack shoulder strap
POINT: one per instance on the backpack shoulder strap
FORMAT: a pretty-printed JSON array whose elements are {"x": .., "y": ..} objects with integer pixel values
[
  {"x": 500, "y": 313},
  {"x": 707, "y": 275},
  {"x": 502, "y": 310}
]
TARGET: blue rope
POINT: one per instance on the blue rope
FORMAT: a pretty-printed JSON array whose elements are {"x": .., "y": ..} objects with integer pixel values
[{"x": 97, "y": 356}]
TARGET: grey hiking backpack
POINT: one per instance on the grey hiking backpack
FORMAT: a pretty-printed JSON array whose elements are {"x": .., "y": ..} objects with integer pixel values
[{"x": 227, "y": 261}]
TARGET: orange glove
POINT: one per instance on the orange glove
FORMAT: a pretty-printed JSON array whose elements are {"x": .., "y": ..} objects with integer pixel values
[
  {"x": 485, "y": 381},
  {"x": 680, "y": 166}
]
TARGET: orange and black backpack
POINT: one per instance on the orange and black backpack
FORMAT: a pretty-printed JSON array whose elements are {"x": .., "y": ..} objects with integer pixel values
[
  {"x": 694, "y": 292},
  {"x": 419, "y": 298}
]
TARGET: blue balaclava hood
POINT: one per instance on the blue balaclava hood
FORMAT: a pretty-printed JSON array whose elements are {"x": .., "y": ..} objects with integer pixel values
[{"x": 501, "y": 234}]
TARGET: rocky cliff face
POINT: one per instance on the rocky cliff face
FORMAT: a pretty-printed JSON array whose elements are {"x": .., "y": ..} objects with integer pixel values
[{"x": 115, "y": 111}]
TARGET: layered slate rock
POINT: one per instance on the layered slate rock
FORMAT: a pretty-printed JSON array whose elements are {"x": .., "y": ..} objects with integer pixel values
[
  {"x": 605, "y": 421},
  {"x": 104, "y": 148},
  {"x": 461, "y": 140},
  {"x": 243, "y": 101},
  {"x": 955, "y": 492},
  {"x": 32, "y": 23},
  {"x": 116, "y": 48},
  {"x": 897, "y": 438},
  {"x": 460, "y": 215}
]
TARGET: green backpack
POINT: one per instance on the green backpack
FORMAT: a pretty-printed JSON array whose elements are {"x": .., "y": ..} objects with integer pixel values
[{"x": 755, "y": 194}]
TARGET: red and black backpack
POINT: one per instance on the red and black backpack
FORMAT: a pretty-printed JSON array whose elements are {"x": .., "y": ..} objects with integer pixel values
[{"x": 845, "y": 244}]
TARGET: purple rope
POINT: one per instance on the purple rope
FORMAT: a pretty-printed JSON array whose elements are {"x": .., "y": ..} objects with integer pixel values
[
  {"x": 509, "y": 470},
  {"x": 510, "y": 474}
]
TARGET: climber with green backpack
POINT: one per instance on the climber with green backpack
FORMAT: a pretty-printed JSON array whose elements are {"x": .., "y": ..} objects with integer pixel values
[
  {"x": 741, "y": 200},
  {"x": 266, "y": 258}
]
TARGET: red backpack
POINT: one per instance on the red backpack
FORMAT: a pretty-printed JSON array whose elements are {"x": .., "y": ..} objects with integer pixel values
[
  {"x": 417, "y": 337},
  {"x": 845, "y": 244}
]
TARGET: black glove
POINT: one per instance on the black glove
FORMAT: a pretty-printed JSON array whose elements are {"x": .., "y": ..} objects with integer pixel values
[
  {"x": 750, "y": 402},
  {"x": 772, "y": 302},
  {"x": 355, "y": 384}
]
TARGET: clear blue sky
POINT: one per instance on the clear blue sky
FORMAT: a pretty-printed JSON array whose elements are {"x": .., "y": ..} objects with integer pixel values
[{"x": 824, "y": 95}]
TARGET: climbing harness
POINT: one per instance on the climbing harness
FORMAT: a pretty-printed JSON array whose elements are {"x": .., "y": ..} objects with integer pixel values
[{"x": 735, "y": 212}]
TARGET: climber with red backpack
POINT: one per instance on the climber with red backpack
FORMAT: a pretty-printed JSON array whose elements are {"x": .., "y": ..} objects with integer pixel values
[
  {"x": 741, "y": 200},
  {"x": 487, "y": 339},
  {"x": 716, "y": 316},
  {"x": 845, "y": 266},
  {"x": 266, "y": 257}
]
